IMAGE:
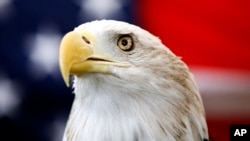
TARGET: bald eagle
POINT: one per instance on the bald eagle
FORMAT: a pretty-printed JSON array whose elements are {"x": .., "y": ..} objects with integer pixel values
[{"x": 128, "y": 86}]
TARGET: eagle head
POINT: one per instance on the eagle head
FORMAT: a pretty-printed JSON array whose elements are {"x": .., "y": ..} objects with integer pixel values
[{"x": 128, "y": 86}]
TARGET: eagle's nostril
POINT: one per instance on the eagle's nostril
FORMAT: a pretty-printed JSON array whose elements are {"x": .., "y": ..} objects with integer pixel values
[{"x": 86, "y": 40}]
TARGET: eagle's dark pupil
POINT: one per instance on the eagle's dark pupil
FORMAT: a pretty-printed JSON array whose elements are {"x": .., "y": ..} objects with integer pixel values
[{"x": 124, "y": 42}]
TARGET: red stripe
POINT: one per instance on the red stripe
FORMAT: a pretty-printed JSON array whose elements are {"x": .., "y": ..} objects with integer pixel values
[{"x": 213, "y": 33}]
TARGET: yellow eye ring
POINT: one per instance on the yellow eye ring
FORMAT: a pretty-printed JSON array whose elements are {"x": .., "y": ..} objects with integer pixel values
[{"x": 125, "y": 43}]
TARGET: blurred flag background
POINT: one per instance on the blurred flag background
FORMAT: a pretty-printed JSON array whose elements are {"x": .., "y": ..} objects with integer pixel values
[{"x": 212, "y": 37}]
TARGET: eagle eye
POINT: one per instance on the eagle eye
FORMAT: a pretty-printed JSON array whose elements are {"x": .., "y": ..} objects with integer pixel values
[{"x": 125, "y": 43}]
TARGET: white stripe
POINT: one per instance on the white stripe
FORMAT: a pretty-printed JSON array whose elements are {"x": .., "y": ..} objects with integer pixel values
[{"x": 225, "y": 92}]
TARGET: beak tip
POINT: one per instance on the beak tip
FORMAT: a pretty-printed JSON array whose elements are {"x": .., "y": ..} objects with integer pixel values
[
  {"x": 66, "y": 80},
  {"x": 65, "y": 76},
  {"x": 67, "y": 84}
]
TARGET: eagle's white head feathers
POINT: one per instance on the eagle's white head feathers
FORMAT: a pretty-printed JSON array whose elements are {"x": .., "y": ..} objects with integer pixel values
[{"x": 128, "y": 87}]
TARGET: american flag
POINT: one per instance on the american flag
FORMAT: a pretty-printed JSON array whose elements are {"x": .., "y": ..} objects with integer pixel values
[{"x": 212, "y": 37}]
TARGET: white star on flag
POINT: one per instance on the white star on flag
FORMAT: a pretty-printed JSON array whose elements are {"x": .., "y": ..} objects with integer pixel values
[
  {"x": 9, "y": 98},
  {"x": 95, "y": 9},
  {"x": 42, "y": 50}
]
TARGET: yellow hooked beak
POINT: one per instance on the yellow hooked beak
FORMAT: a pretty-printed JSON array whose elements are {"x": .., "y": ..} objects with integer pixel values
[{"x": 77, "y": 55}]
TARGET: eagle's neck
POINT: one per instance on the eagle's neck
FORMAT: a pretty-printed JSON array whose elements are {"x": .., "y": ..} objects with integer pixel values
[{"x": 106, "y": 110}]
